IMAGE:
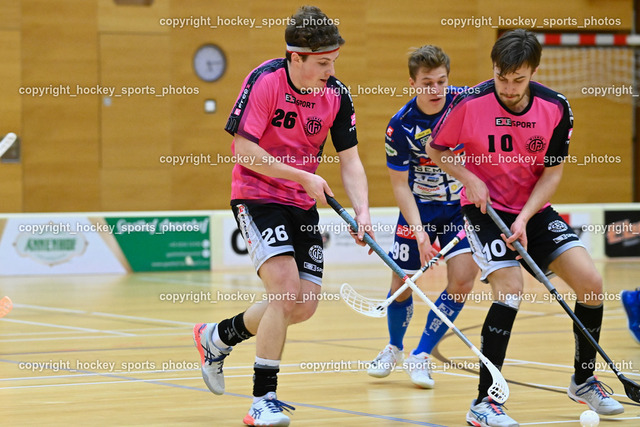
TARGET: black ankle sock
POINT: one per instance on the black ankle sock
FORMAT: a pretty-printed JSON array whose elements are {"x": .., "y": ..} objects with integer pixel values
[
  {"x": 585, "y": 356},
  {"x": 265, "y": 379},
  {"x": 496, "y": 332},
  {"x": 233, "y": 331}
]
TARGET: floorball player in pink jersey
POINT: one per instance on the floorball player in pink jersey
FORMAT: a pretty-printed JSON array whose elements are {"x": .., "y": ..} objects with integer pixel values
[
  {"x": 280, "y": 123},
  {"x": 516, "y": 135}
]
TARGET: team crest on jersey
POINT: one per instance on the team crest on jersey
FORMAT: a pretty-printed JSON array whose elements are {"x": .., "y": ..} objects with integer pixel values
[
  {"x": 423, "y": 136},
  {"x": 535, "y": 144},
  {"x": 389, "y": 131},
  {"x": 313, "y": 126}
]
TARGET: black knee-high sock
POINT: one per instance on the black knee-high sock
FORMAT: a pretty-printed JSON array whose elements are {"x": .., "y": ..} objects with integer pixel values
[
  {"x": 585, "y": 356},
  {"x": 496, "y": 332},
  {"x": 233, "y": 331}
]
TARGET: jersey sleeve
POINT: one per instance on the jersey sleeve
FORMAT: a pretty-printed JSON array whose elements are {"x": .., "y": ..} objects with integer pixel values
[
  {"x": 396, "y": 147},
  {"x": 559, "y": 145},
  {"x": 448, "y": 132},
  {"x": 252, "y": 111},
  {"x": 343, "y": 130}
]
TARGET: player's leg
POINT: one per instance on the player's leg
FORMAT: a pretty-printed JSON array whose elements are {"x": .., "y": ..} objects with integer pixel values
[
  {"x": 215, "y": 341},
  {"x": 283, "y": 287},
  {"x": 405, "y": 253},
  {"x": 499, "y": 267},
  {"x": 245, "y": 325},
  {"x": 461, "y": 273},
  {"x": 574, "y": 265},
  {"x": 293, "y": 285}
]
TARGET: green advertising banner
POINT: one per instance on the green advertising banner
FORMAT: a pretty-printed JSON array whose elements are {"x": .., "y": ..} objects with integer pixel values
[{"x": 157, "y": 243}]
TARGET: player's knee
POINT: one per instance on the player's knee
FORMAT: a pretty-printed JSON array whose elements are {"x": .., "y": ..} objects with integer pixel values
[
  {"x": 460, "y": 286},
  {"x": 592, "y": 290},
  {"x": 404, "y": 295},
  {"x": 303, "y": 312},
  {"x": 595, "y": 283}
]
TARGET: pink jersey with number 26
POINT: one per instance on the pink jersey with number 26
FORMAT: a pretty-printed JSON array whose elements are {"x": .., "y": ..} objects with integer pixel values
[
  {"x": 291, "y": 126},
  {"x": 508, "y": 151}
]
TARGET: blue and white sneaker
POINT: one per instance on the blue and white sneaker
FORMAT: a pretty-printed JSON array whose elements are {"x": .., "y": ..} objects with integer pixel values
[
  {"x": 489, "y": 414},
  {"x": 211, "y": 357},
  {"x": 631, "y": 304},
  {"x": 595, "y": 395},
  {"x": 268, "y": 411}
]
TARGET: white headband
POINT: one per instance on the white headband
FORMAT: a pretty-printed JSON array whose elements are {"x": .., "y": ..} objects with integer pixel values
[{"x": 308, "y": 51}]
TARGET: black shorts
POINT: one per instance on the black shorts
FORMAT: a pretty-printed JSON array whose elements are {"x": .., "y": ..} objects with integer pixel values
[
  {"x": 272, "y": 229},
  {"x": 548, "y": 236}
]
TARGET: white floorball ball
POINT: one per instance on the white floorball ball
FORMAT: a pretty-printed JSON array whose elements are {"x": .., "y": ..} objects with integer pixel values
[{"x": 589, "y": 419}]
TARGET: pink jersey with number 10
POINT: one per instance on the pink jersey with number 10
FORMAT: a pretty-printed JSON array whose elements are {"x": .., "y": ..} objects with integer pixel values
[
  {"x": 508, "y": 151},
  {"x": 291, "y": 126}
]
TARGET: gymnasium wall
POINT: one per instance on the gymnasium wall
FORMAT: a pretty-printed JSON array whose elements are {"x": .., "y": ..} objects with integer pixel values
[{"x": 96, "y": 152}]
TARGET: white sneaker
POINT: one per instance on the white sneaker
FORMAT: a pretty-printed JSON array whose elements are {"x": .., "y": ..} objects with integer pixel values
[
  {"x": 489, "y": 414},
  {"x": 594, "y": 394},
  {"x": 385, "y": 362},
  {"x": 268, "y": 412},
  {"x": 211, "y": 357},
  {"x": 418, "y": 366}
]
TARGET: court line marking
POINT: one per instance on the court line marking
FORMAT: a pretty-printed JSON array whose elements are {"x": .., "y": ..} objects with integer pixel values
[
  {"x": 91, "y": 338},
  {"x": 39, "y": 333},
  {"x": 76, "y": 328},
  {"x": 165, "y": 382},
  {"x": 100, "y": 314}
]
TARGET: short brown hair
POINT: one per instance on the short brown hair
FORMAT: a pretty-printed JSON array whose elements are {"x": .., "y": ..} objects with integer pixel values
[
  {"x": 310, "y": 27},
  {"x": 429, "y": 57},
  {"x": 514, "y": 49}
]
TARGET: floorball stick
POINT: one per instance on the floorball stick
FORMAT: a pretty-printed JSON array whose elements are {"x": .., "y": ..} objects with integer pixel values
[
  {"x": 631, "y": 388},
  {"x": 377, "y": 307},
  {"x": 499, "y": 390},
  {"x": 5, "y": 306},
  {"x": 7, "y": 142}
]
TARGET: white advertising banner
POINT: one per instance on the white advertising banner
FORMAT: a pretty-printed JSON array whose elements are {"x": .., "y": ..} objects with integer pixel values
[{"x": 59, "y": 245}]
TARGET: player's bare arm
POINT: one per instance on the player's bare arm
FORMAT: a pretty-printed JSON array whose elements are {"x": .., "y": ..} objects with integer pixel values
[
  {"x": 544, "y": 189},
  {"x": 477, "y": 191},
  {"x": 355, "y": 184},
  {"x": 259, "y": 160}
]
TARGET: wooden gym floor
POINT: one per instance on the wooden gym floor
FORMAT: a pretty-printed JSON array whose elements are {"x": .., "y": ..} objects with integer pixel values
[{"x": 115, "y": 350}]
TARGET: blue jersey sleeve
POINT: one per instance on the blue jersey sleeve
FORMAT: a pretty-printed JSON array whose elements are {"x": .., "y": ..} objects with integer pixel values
[{"x": 396, "y": 147}]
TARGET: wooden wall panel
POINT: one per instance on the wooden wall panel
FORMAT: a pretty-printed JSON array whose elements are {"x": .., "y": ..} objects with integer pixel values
[
  {"x": 113, "y": 18},
  {"x": 135, "y": 128},
  {"x": 10, "y": 118},
  {"x": 10, "y": 14},
  {"x": 206, "y": 185},
  {"x": 135, "y": 189},
  {"x": 135, "y": 120},
  {"x": 67, "y": 166},
  {"x": 60, "y": 134}
]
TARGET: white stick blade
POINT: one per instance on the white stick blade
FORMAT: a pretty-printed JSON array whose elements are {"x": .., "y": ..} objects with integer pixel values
[
  {"x": 499, "y": 390},
  {"x": 360, "y": 304}
]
